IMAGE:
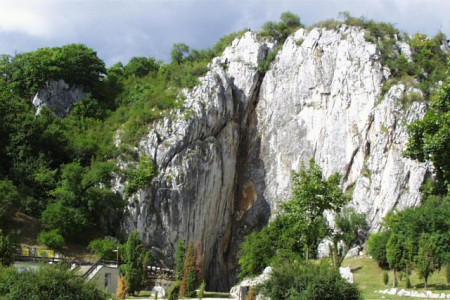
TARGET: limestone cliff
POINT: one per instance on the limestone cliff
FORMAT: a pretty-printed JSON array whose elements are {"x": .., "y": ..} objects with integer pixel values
[
  {"x": 58, "y": 96},
  {"x": 224, "y": 159}
]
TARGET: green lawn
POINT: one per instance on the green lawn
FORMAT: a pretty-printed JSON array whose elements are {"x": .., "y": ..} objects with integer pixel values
[
  {"x": 146, "y": 295},
  {"x": 369, "y": 278}
]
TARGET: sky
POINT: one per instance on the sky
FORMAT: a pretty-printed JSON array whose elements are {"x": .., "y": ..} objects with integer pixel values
[{"x": 120, "y": 29}]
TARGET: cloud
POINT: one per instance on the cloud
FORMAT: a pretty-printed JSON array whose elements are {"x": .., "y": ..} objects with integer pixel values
[{"x": 119, "y": 29}]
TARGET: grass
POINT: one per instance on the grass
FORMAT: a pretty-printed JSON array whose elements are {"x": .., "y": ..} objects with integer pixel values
[
  {"x": 147, "y": 295},
  {"x": 369, "y": 277}
]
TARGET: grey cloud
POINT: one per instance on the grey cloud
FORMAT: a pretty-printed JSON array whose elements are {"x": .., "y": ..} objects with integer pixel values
[{"x": 118, "y": 30}]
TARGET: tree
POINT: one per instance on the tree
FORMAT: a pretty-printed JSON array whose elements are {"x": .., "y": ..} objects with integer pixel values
[
  {"x": 349, "y": 227},
  {"x": 104, "y": 248},
  {"x": 260, "y": 248},
  {"x": 376, "y": 245},
  {"x": 429, "y": 138},
  {"x": 7, "y": 250},
  {"x": 133, "y": 268},
  {"x": 311, "y": 196},
  {"x": 397, "y": 254},
  {"x": 179, "y": 51},
  {"x": 290, "y": 19},
  {"x": 141, "y": 66},
  {"x": 180, "y": 252},
  {"x": 427, "y": 260},
  {"x": 190, "y": 276},
  {"x": 9, "y": 199}
]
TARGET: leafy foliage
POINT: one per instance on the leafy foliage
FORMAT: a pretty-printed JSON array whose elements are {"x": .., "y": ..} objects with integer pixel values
[
  {"x": 296, "y": 232},
  {"x": 174, "y": 291},
  {"x": 427, "y": 260},
  {"x": 288, "y": 24},
  {"x": 47, "y": 282},
  {"x": 180, "y": 251},
  {"x": 7, "y": 250},
  {"x": 134, "y": 267},
  {"x": 191, "y": 278},
  {"x": 350, "y": 231},
  {"x": 376, "y": 245},
  {"x": 311, "y": 196},
  {"x": 303, "y": 280},
  {"x": 429, "y": 138},
  {"x": 52, "y": 239},
  {"x": 104, "y": 248},
  {"x": 140, "y": 177},
  {"x": 74, "y": 63}
]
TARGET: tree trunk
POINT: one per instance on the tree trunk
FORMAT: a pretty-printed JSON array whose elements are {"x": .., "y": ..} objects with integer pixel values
[
  {"x": 307, "y": 252},
  {"x": 394, "y": 281}
]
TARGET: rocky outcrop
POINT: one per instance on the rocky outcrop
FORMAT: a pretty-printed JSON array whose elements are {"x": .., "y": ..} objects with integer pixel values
[
  {"x": 322, "y": 100},
  {"x": 58, "y": 96},
  {"x": 224, "y": 160}
]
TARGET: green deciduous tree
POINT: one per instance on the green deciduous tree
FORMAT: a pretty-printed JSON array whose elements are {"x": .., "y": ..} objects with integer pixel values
[
  {"x": 398, "y": 254},
  {"x": 179, "y": 52},
  {"x": 350, "y": 228},
  {"x": 429, "y": 138},
  {"x": 427, "y": 260},
  {"x": 376, "y": 245},
  {"x": 311, "y": 196},
  {"x": 7, "y": 250},
  {"x": 141, "y": 66},
  {"x": 104, "y": 248},
  {"x": 9, "y": 200}
]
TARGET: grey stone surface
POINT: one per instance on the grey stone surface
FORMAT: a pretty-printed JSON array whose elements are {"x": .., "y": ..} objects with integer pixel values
[
  {"x": 224, "y": 159},
  {"x": 58, "y": 96}
]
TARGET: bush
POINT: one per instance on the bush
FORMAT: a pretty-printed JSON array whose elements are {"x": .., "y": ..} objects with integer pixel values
[
  {"x": 376, "y": 245},
  {"x": 408, "y": 282},
  {"x": 201, "y": 290},
  {"x": 104, "y": 248},
  {"x": 47, "y": 282},
  {"x": 174, "y": 291},
  {"x": 303, "y": 280},
  {"x": 7, "y": 250},
  {"x": 385, "y": 278},
  {"x": 52, "y": 239}
]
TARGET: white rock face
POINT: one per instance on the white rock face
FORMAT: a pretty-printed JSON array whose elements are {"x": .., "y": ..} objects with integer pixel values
[
  {"x": 240, "y": 290},
  {"x": 224, "y": 160},
  {"x": 346, "y": 273},
  {"x": 321, "y": 100},
  {"x": 58, "y": 96}
]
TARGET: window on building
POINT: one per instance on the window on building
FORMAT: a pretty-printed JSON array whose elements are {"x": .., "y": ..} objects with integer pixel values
[{"x": 107, "y": 280}]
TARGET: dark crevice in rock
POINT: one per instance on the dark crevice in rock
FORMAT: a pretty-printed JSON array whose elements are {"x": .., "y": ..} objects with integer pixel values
[{"x": 348, "y": 168}]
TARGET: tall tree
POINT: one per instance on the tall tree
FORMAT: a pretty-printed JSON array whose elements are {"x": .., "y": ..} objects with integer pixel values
[
  {"x": 427, "y": 260},
  {"x": 349, "y": 228},
  {"x": 311, "y": 196},
  {"x": 430, "y": 137},
  {"x": 190, "y": 275},
  {"x": 133, "y": 256},
  {"x": 7, "y": 250}
]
